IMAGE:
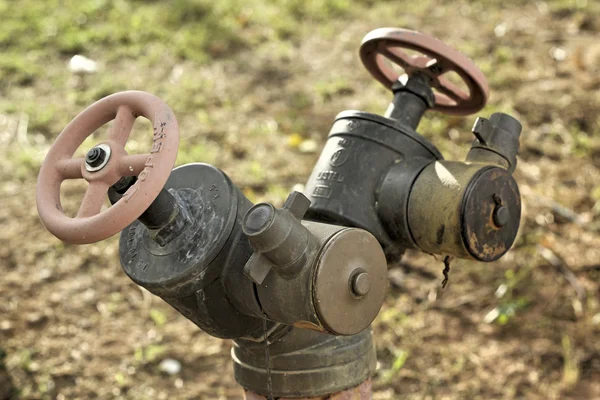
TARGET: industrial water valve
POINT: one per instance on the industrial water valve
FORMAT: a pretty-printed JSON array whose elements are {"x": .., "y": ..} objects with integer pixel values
[
  {"x": 189, "y": 245},
  {"x": 326, "y": 277},
  {"x": 304, "y": 281},
  {"x": 377, "y": 173}
]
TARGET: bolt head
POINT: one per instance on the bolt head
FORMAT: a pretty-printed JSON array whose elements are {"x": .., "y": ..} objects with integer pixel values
[
  {"x": 95, "y": 156},
  {"x": 361, "y": 284},
  {"x": 501, "y": 216}
]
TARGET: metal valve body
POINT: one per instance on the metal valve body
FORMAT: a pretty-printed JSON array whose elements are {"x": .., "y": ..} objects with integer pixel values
[
  {"x": 204, "y": 271},
  {"x": 379, "y": 174},
  {"x": 328, "y": 278},
  {"x": 319, "y": 263},
  {"x": 379, "y": 187},
  {"x": 308, "y": 279}
]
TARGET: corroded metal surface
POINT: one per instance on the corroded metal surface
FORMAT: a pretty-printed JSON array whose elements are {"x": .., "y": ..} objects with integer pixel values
[
  {"x": 453, "y": 210},
  {"x": 361, "y": 392},
  {"x": 490, "y": 215}
]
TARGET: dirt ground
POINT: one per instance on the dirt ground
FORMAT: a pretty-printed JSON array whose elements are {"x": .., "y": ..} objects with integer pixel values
[{"x": 73, "y": 326}]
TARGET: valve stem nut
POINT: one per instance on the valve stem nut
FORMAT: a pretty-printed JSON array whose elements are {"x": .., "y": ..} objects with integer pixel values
[
  {"x": 361, "y": 283},
  {"x": 95, "y": 156},
  {"x": 501, "y": 216}
]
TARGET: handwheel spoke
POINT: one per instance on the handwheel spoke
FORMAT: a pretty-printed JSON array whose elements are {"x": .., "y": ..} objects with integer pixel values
[
  {"x": 93, "y": 199},
  {"x": 451, "y": 90},
  {"x": 132, "y": 165},
  {"x": 70, "y": 168},
  {"x": 419, "y": 62},
  {"x": 122, "y": 125},
  {"x": 397, "y": 57},
  {"x": 437, "y": 68}
]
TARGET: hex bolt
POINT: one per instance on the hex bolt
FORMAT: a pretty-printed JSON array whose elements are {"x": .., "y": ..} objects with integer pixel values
[
  {"x": 501, "y": 216},
  {"x": 95, "y": 156},
  {"x": 361, "y": 284}
]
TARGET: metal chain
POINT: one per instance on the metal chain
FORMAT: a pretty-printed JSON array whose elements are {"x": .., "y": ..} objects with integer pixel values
[{"x": 447, "y": 261}]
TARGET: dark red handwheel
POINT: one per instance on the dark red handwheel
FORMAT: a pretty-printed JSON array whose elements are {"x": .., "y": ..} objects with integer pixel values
[{"x": 437, "y": 59}]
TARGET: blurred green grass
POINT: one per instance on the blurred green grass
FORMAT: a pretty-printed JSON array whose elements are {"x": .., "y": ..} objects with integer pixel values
[
  {"x": 148, "y": 38},
  {"x": 145, "y": 38}
]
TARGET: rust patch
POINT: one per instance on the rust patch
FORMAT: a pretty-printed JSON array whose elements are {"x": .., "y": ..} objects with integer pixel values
[
  {"x": 473, "y": 241},
  {"x": 486, "y": 252},
  {"x": 483, "y": 239},
  {"x": 440, "y": 234}
]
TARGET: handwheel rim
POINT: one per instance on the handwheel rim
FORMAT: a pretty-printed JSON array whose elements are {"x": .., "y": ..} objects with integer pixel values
[
  {"x": 385, "y": 43},
  {"x": 152, "y": 169}
]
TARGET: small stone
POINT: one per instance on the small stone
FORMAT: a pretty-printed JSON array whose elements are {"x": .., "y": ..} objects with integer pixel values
[
  {"x": 45, "y": 274},
  {"x": 500, "y": 29},
  {"x": 35, "y": 320},
  {"x": 308, "y": 146},
  {"x": 56, "y": 298},
  {"x": 82, "y": 65},
  {"x": 559, "y": 54},
  {"x": 6, "y": 326},
  {"x": 170, "y": 366}
]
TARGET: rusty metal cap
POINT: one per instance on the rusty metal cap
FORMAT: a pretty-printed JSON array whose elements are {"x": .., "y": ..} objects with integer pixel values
[
  {"x": 350, "y": 281},
  {"x": 490, "y": 214}
]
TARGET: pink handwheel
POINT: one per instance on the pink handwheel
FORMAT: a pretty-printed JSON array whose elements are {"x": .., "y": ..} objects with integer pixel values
[{"x": 105, "y": 164}]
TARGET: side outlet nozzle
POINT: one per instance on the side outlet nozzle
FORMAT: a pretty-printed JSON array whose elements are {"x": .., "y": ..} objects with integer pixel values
[
  {"x": 497, "y": 141},
  {"x": 278, "y": 237}
]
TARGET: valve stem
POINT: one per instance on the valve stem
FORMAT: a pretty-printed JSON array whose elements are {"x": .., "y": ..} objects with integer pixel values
[{"x": 163, "y": 217}]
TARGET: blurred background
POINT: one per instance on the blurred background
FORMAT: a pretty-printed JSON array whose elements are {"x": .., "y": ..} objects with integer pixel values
[{"x": 255, "y": 87}]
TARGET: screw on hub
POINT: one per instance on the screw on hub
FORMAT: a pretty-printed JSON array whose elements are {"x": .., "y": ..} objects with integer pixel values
[
  {"x": 95, "y": 156},
  {"x": 98, "y": 157}
]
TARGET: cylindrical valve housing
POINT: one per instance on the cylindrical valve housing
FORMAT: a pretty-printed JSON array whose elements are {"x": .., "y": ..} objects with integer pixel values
[
  {"x": 340, "y": 289},
  {"x": 313, "y": 275},
  {"x": 464, "y": 210}
]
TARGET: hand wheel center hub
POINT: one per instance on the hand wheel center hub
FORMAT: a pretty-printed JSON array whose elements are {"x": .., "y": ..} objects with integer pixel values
[{"x": 97, "y": 157}]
